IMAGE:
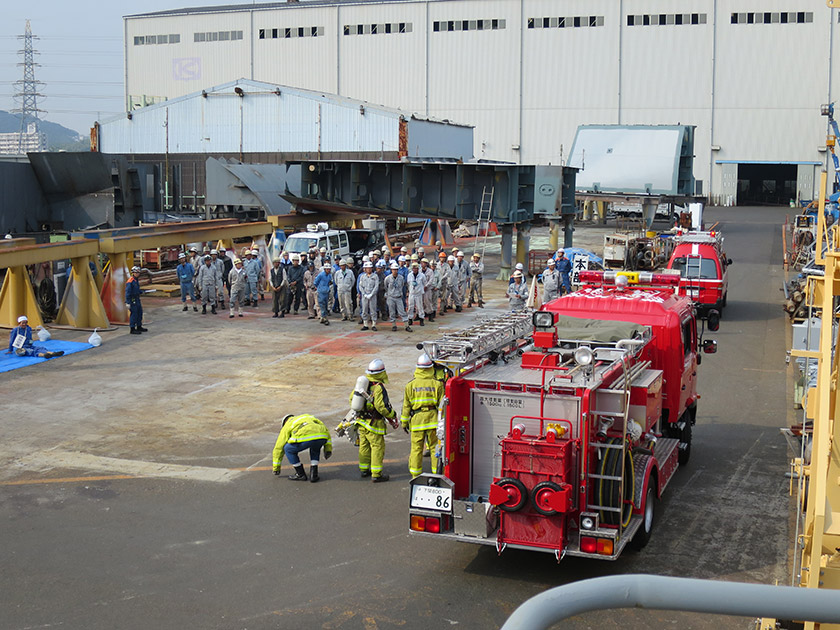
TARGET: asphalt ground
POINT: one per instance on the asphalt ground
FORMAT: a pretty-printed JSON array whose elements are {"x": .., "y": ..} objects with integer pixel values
[{"x": 136, "y": 492}]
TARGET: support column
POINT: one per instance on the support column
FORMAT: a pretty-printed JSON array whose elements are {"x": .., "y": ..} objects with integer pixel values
[
  {"x": 523, "y": 244},
  {"x": 113, "y": 290},
  {"x": 554, "y": 235},
  {"x": 82, "y": 307},
  {"x": 507, "y": 252},
  {"x": 17, "y": 298},
  {"x": 568, "y": 229},
  {"x": 648, "y": 213}
]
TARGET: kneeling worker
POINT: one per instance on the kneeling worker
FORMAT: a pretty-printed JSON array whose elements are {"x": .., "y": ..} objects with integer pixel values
[
  {"x": 419, "y": 417},
  {"x": 300, "y": 433}
]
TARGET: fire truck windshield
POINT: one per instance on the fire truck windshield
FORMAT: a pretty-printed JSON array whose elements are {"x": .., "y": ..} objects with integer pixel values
[{"x": 704, "y": 268}]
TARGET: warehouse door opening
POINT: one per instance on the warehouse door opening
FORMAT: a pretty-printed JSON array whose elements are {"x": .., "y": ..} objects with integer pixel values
[{"x": 766, "y": 184}]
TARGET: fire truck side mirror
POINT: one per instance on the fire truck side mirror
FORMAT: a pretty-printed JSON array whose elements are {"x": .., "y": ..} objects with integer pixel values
[
  {"x": 709, "y": 346},
  {"x": 714, "y": 320}
]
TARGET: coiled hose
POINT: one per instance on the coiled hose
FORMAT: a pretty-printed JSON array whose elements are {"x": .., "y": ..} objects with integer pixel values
[
  {"x": 609, "y": 490},
  {"x": 46, "y": 299}
]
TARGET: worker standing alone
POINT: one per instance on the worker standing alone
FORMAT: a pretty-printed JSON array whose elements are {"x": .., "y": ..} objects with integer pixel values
[
  {"x": 419, "y": 416},
  {"x": 132, "y": 301},
  {"x": 370, "y": 422}
]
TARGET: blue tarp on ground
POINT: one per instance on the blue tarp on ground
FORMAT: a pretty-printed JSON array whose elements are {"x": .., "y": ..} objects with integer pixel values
[{"x": 12, "y": 361}]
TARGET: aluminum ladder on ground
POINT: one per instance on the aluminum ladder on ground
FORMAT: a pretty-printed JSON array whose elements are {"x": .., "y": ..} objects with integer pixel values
[{"x": 485, "y": 212}]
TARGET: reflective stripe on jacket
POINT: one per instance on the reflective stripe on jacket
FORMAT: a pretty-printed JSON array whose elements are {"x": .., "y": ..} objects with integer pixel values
[
  {"x": 421, "y": 399},
  {"x": 301, "y": 428}
]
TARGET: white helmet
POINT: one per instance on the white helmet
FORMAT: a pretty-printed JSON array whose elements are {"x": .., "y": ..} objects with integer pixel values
[
  {"x": 365, "y": 258},
  {"x": 551, "y": 262},
  {"x": 181, "y": 255},
  {"x": 401, "y": 259},
  {"x": 520, "y": 266},
  {"x": 394, "y": 265},
  {"x": 375, "y": 367},
  {"x": 367, "y": 265},
  {"x": 254, "y": 252},
  {"x": 380, "y": 263},
  {"x": 424, "y": 361},
  {"x": 451, "y": 259},
  {"x": 214, "y": 251}
]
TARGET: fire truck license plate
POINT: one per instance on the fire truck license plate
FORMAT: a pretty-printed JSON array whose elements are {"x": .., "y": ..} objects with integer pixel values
[{"x": 429, "y": 498}]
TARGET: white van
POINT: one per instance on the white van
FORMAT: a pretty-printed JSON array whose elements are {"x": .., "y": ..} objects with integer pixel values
[{"x": 318, "y": 235}]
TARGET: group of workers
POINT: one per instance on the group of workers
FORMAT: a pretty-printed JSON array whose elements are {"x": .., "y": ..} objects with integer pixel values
[
  {"x": 419, "y": 418},
  {"x": 406, "y": 287},
  {"x": 216, "y": 278}
]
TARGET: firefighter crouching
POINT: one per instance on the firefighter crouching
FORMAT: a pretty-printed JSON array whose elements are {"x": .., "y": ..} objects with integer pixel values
[
  {"x": 420, "y": 413},
  {"x": 300, "y": 433},
  {"x": 370, "y": 422}
]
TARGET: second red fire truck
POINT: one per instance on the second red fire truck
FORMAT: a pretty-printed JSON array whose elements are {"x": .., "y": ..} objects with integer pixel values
[{"x": 562, "y": 427}]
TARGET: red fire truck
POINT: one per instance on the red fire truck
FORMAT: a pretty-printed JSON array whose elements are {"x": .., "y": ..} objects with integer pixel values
[
  {"x": 562, "y": 427},
  {"x": 702, "y": 264}
]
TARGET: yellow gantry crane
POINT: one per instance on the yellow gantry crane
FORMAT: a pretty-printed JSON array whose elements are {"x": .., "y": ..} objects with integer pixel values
[{"x": 817, "y": 546}]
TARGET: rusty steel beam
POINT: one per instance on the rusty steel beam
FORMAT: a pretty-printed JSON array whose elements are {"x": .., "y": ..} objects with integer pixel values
[
  {"x": 9, "y": 243},
  {"x": 178, "y": 236},
  {"x": 151, "y": 228},
  {"x": 34, "y": 254}
]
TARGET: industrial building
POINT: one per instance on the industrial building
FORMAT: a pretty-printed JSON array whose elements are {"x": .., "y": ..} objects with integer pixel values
[
  {"x": 260, "y": 123},
  {"x": 750, "y": 76}
]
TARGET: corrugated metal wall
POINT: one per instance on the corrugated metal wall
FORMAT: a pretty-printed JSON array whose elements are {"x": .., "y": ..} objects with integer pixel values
[
  {"x": 263, "y": 121},
  {"x": 527, "y": 80}
]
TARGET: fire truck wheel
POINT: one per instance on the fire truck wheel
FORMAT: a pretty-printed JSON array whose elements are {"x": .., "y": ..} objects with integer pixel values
[
  {"x": 648, "y": 515},
  {"x": 541, "y": 495},
  {"x": 685, "y": 438},
  {"x": 517, "y": 494}
]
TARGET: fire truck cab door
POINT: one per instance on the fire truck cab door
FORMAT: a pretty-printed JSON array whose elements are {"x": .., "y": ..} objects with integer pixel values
[{"x": 688, "y": 381}]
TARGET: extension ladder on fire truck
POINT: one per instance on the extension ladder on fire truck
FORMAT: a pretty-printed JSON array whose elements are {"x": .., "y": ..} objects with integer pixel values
[
  {"x": 455, "y": 350},
  {"x": 485, "y": 211}
]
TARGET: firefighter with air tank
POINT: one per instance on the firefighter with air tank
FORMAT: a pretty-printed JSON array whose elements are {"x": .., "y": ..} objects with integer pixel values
[{"x": 419, "y": 417}]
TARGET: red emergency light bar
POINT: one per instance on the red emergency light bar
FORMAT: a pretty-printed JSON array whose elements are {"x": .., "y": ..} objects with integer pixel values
[{"x": 645, "y": 278}]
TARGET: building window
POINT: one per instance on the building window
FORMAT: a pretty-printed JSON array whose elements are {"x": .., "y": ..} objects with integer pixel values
[
  {"x": 667, "y": 19},
  {"x": 470, "y": 25},
  {"x": 376, "y": 29},
  {"x": 139, "y": 40},
  {"x": 220, "y": 36},
  {"x": 587, "y": 21},
  {"x": 771, "y": 17}
]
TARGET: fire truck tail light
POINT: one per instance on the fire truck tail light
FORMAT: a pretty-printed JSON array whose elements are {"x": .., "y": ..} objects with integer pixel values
[
  {"x": 418, "y": 523},
  {"x": 433, "y": 526},
  {"x": 604, "y": 546},
  {"x": 588, "y": 544}
]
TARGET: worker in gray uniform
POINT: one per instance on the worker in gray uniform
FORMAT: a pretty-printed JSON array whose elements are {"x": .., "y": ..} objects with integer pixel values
[
  {"x": 220, "y": 286},
  {"x": 463, "y": 280},
  {"x": 552, "y": 281},
  {"x": 394, "y": 284},
  {"x": 369, "y": 291},
  {"x": 416, "y": 281},
  {"x": 252, "y": 268},
  {"x": 345, "y": 280},
  {"x": 238, "y": 281},
  {"x": 428, "y": 291},
  {"x": 476, "y": 275},
  {"x": 208, "y": 279}
]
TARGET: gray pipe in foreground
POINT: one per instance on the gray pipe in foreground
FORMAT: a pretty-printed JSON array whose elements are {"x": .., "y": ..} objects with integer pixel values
[{"x": 670, "y": 593}]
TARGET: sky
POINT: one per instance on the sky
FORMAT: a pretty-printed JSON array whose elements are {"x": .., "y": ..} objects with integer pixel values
[{"x": 81, "y": 54}]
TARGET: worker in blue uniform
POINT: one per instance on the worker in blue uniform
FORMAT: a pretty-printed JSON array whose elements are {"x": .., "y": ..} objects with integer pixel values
[
  {"x": 20, "y": 342},
  {"x": 132, "y": 302},
  {"x": 564, "y": 266}
]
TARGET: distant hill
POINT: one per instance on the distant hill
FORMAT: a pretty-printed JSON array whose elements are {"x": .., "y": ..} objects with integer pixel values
[{"x": 58, "y": 136}]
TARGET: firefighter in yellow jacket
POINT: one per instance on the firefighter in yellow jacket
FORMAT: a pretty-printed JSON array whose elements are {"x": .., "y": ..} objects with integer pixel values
[
  {"x": 300, "y": 433},
  {"x": 422, "y": 396},
  {"x": 371, "y": 422}
]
